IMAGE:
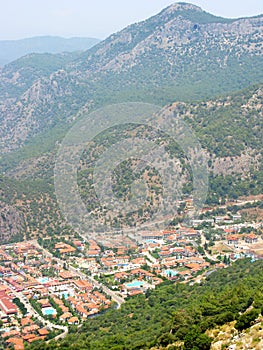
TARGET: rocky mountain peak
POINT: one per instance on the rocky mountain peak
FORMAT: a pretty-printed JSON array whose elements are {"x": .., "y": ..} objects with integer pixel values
[{"x": 182, "y": 6}]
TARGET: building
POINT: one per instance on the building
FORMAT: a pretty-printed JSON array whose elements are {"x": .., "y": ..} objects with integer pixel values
[
  {"x": 232, "y": 239},
  {"x": 8, "y": 307},
  {"x": 251, "y": 238}
]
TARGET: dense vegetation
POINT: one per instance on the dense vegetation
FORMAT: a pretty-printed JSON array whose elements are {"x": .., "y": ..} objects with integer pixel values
[
  {"x": 228, "y": 128},
  {"x": 188, "y": 55},
  {"x": 175, "y": 313}
]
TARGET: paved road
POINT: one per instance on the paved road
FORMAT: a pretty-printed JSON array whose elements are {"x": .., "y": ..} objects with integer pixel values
[
  {"x": 118, "y": 299},
  {"x": 32, "y": 311}
]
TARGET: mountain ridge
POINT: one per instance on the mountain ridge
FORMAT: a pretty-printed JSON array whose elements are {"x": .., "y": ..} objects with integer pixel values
[
  {"x": 169, "y": 59},
  {"x": 165, "y": 58},
  {"x": 11, "y": 50}
]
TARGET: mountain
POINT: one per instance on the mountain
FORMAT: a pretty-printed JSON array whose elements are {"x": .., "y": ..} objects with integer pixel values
[
  {"x": 183, "y": 53},
  {"x": 11, "y": 50},
  {"x": 229, "y": 129},
  {"x": 190, "y": 61}
]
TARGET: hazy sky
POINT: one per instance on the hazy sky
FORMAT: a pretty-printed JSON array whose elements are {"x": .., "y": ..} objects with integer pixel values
[{"x": 97, "y": 18}]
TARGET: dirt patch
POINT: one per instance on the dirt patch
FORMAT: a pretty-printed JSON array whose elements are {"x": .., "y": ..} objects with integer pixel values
[
  {"x": 252, "y": 214},
  {"x": 220, "y": 248}
]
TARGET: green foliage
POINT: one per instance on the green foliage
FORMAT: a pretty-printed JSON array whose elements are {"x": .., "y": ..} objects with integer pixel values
[
  {"x": 20, "y": 305},
  {"x": 246, "y": 320},
  {"x": 173, "y": 313},
  {"x": 195, "y": 340}
]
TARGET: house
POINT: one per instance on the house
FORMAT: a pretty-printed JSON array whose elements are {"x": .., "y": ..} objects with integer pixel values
[
  {"x": 251, "y": 238},
  {"x": 123, "y": 259},
  {"x": 73, "y": 320},
  {"x": 79, "y": 245},
  {"x": 82, "y": 284},
  {"x": 152, "y": 235},
  {"x": 66, "y": 275},
  {"x": 64, "y": 317},
  {"x": 236, "y": 217},
  {"x": 92, "y": 253},
  {"x": 44, "y": 303},
  {"x": 17, "y": 343},
  {"x": 11, "y": 333},
  {"x": 43, "y": 332},
  {"x": 167, "y": 233},
  {"x": 118, "y": 276},
  {"x": 189, "y": 233},
  {"x": 232, "y": 239},
  {"x": 26, "y": 321},
  {"x": 222, "y": 219},
  {"x": 30, "y": 329},
  {"x": 36, "y": 338}
]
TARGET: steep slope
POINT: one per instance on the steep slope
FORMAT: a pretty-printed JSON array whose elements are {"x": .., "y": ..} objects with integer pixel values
[
  {"x": 229, "y": 130},
  {"x": 183, "y": 53},
  {"x": 17, "y": 77},
  {"x": 11, "y": 50}
]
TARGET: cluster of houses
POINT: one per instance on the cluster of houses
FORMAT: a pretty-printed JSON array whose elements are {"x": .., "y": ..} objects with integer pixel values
[
  {"x": 183, "y": 234},
  {"x": 28, "y": 331},
  {"x": 126, "y": 266},
  {"x": 136, "y": 281},
  {"x": 21, "y": 276},
  {"x": 238, "y": 238},
  {"x": 18, "y": 329}
]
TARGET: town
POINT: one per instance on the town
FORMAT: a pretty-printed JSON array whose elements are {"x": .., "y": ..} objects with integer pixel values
[{"x": 54, "y": 283}]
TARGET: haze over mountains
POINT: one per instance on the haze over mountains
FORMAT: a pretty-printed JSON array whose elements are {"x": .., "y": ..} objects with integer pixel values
[{"x": 11, "y": 50}]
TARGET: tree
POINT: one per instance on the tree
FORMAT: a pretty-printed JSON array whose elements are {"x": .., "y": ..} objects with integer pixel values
[
  {"x": 246, "y": 319},
  {"x": 195, "y": 340}
]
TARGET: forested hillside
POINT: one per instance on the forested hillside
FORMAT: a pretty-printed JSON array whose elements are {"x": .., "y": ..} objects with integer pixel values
[
  {"x": 183, "y": 53},
  {"x": 175, "y": 314},
  {"x": 229, "y": 130}
]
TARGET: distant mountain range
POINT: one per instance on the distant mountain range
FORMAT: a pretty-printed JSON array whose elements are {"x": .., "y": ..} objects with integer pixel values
[{"x": 11, "y": 50}]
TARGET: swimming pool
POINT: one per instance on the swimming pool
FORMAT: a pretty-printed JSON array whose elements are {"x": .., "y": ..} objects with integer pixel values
[
  {"x": 65, "y": 295},
  {"x": 49, "y": 311},
  {"x": 170, "y": 273},
  {"x": 43, "y": 280},
  {"x": 150, "y": 241},
  {"x": 135, "y": 283}
]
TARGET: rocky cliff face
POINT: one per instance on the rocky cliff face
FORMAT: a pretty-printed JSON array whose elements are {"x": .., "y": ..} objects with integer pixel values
[{"x": 11, "y": 222}]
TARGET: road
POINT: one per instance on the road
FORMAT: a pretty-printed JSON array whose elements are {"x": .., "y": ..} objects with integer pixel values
[
  {"x": 239, "y": 203},
  {"x": 34, "y": 313},
  {"x": 203, "y": 241},
  {"x": 118, "y": 299}
]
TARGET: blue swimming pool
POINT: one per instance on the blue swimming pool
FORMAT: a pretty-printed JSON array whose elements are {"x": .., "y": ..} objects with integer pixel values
[
  {"x": 150, "y": 241},
  {"x": 171, "y": 273},
  {"x": 135, "y": 284},
  {"x": 65, "y": 295},
  {"x": 43, "y": 280},
  {"x": 49, "y": 311}
]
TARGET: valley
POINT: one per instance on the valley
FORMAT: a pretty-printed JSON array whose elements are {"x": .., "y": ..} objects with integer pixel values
[{"x": 160, "y": 246}]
